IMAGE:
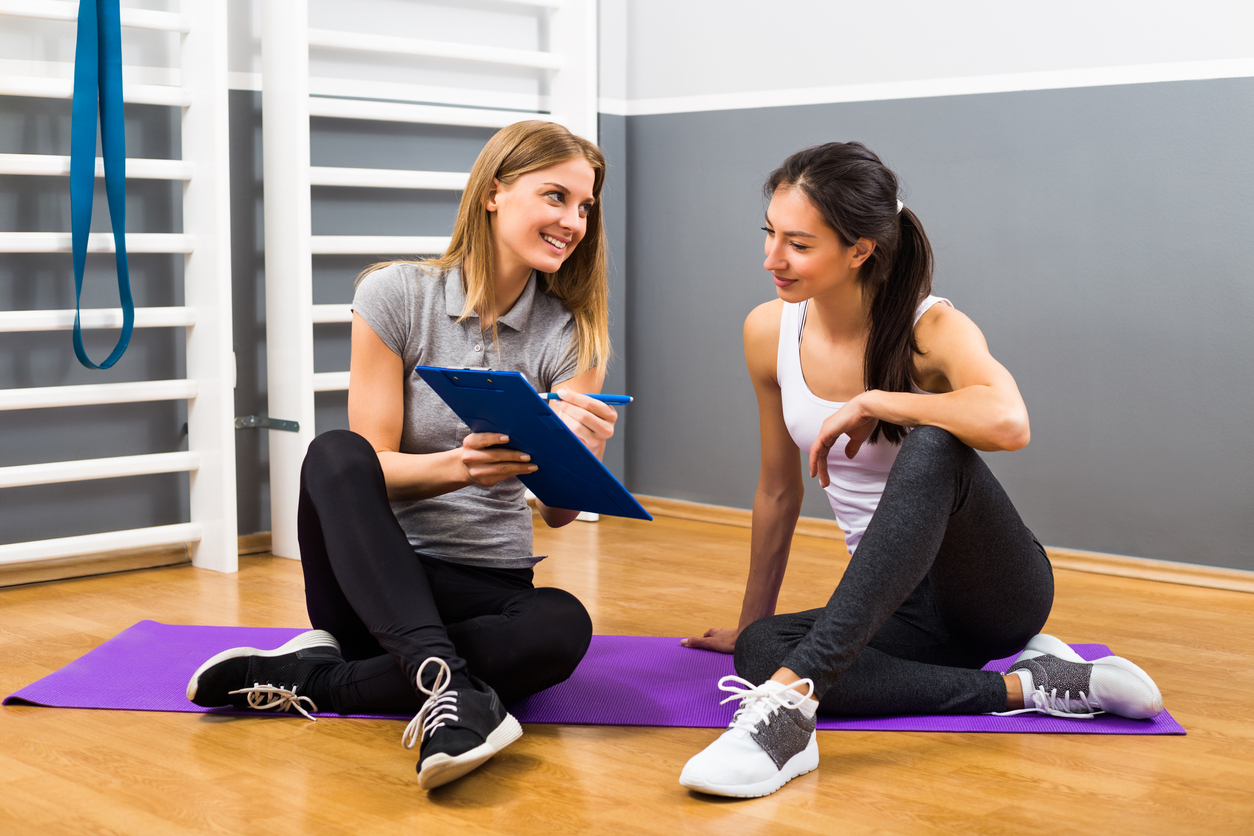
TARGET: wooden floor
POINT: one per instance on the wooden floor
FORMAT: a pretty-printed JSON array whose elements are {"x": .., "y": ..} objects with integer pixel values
[{"x": 86, "y": 772}]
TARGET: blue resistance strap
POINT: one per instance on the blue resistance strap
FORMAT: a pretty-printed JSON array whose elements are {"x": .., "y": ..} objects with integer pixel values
[{"x": 98, "y": 72}]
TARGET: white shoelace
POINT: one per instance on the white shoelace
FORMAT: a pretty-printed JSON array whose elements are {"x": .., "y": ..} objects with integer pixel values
[
  {"x": 263, "y": 697},
  {"x": 757, "y": 704},
  {"x": 1055, "y": 705},
  {"x": 441, "y": 704}
]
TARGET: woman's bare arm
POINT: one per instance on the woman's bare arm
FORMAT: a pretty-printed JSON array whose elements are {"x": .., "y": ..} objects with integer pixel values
[
  {"x": 777, "y": 502},
  {"x": 376, "y": 411},
  {"x": 977, "y": 399}
]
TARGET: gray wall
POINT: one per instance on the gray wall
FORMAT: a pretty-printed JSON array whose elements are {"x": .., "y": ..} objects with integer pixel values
[
  {"x": 612, "y": 133},
  {"x": 1100, "y": 237}
]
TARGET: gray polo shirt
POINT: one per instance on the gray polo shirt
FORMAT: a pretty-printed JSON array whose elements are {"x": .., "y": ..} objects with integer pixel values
[{"x": 414, "y": 310}]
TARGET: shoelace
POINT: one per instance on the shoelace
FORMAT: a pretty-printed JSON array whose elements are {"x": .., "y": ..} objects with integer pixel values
[
  {"x": 441, "y": 704},
  {"x": 1049, "y": 702},
  {"x": 757, "y": 704},
  {"x": 264, "y": 697}
]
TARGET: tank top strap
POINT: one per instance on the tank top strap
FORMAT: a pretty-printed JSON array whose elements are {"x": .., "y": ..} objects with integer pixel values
[
  {"x": 926, "y": 305},
  {"x": 788, "y": 357}
]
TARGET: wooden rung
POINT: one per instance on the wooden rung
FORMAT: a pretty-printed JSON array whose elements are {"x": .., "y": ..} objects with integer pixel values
[
  {"x": 97, "y": 393},
  {"x": 136, "y": 169},
  {"x": 378, "y": 245},
  {"x": 63, "y": 88},
  {"x": 59, "y": 10},
  {"x": 382, "y": 178},
  {"x": 63, "y": 320},
  {"x": 330, "y": 381},
  {"x": 110, "y": 541},
  {"x": 97, "y": 242},
  {"x": 110, "y": 468},
  {"x": 362, "y": 42},
  {"x": 323, "y": 314},
  {"x": 412, "y": 113}
]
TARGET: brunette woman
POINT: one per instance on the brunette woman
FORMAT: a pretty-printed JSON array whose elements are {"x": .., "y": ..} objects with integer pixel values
[{"x": 891, "y": 390}]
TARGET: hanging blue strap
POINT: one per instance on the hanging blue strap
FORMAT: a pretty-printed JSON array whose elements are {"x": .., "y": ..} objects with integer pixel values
[{"x": 98, "y": 73}]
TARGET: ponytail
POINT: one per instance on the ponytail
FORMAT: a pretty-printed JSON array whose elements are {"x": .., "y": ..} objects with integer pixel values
[
  {"x": 891, "y": 345},
  {"x": 857, "y": 196}
]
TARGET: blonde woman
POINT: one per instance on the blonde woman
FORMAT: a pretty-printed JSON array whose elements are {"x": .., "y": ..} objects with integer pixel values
[{"x": 415, "y": 538}]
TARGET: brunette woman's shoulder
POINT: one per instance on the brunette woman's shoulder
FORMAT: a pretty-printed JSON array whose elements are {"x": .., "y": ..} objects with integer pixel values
[
  {"x": 942, "y": 322},
  {"x": 761, "y": 331},
  {"x": 764, "y": 319}
]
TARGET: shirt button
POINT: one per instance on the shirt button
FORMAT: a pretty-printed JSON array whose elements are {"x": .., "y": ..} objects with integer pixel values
[{"x": 478, "y": 348}]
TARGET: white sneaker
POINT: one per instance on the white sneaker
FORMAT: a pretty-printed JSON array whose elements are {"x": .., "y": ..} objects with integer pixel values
[
  {"x": 1065, "y": 685},
  {"x": 769, "y": 742}
]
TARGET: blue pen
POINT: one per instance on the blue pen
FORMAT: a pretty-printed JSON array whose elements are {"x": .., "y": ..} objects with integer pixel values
[{"x": 616, "y": 400}]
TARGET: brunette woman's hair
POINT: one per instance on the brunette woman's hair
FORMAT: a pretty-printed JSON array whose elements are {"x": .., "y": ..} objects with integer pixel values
[
  {"x": 580, "y": 283},
  {"x": 857, "y": 196}
]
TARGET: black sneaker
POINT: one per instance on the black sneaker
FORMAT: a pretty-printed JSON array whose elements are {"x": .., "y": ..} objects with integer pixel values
[
  {"x": 245, "y": 677},
  {"x": 458, "y": 729}
]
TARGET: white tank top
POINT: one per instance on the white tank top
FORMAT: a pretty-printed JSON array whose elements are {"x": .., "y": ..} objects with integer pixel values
[{"x": 856, "y": 484}]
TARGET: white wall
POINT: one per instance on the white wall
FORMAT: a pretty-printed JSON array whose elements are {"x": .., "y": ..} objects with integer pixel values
[
  {"x": 612, "y": 49},
  {"x": 700, "y": 55}
]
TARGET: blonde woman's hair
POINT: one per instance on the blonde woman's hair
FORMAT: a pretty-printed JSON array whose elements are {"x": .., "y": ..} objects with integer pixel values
[{"x": 580, "y": 283}]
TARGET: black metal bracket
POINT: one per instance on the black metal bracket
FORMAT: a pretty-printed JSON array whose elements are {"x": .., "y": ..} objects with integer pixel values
[{"x": 263, "y": 422}]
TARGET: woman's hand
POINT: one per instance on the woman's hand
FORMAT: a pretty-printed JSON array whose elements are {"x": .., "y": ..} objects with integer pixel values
[
  {"x": 718, "y": 639},
  {"x": 590, "y": 420},
  {"x": 487, "y": 463},
  {"x": 853, "y": 420}
]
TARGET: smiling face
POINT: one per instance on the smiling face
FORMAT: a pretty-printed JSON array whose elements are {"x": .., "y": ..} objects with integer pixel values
[
  {"x": 804, "y": 254},
  {"x": 539, "y": 219}
]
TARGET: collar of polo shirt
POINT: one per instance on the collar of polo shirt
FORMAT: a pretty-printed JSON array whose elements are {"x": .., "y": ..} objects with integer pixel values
[{"x": 515, "y": 318}]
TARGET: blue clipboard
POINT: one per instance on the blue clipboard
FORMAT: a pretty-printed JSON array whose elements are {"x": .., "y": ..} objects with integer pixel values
[{"x": 504, "y": 402}]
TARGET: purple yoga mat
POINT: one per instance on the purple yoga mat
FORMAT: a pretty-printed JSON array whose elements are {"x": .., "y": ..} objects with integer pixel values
[{"x": 624, "y": 680}]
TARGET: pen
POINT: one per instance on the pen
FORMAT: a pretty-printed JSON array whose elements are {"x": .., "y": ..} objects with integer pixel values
[{"x": 616, "y": 400}]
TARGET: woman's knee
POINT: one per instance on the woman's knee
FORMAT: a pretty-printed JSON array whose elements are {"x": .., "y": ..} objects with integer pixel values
[
  {"x": 543, "y": 646},
  {"x": 569, "y": 632},
  {"x": 759, "y": 651},
  {"x": 338, "y": 456},
  {"x": 929, "y": 447},
  {"x": 933, "y": 439}
]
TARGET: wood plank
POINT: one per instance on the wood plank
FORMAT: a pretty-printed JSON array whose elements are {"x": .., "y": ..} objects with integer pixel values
[{"x": 137, "y": 772}]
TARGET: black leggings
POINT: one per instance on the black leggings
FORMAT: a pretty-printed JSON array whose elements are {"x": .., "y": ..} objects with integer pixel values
[
  {"x": 946, "y": 578},
  {"x": 391, "y": 609}
]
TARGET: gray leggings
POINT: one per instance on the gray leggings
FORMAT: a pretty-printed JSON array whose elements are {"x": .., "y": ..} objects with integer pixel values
[{"x": 946, "y": 578}]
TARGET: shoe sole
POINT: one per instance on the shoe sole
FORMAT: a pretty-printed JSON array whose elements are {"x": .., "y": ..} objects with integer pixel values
[
  {"x": 807, "y": 760},
  {"x": 1045, "y": 643},
  {"x": 306, "y": 640},
  {"x": 442, "y": 768}
]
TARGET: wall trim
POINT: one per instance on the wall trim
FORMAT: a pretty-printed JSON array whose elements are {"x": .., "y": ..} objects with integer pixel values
[
  {"x": 933, "y": 87},
  {"x": 739, "y": 517},
  {"x": 84, "y": 566},
  {"x": 258, "y": 543},
  {"x": 1076, "y": 560}
]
